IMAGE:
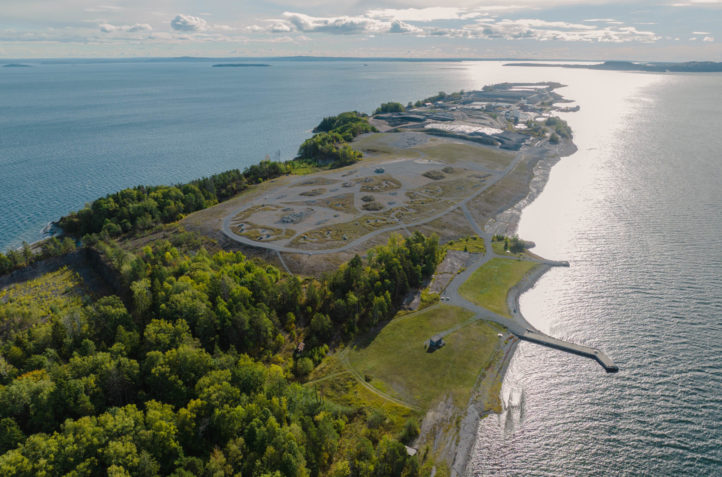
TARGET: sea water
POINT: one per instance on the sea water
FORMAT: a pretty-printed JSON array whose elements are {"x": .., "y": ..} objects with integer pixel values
[
  {"x": 636, "y": 212},
  {"x": 73, "y": 131}
]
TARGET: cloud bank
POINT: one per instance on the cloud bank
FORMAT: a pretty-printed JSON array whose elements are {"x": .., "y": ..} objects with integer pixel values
[
  {"x": 344, "y": 25},
  {"x": 188, "y": 23},
  {"x": 138, "y": 27},
  {"x": 471, "y": 25}
]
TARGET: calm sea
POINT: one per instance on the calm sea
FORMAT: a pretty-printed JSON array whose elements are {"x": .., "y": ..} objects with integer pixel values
[{"x": 636, "y": 211}]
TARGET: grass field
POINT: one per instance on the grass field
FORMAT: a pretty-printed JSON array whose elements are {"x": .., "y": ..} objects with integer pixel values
[
  {"x": 490, "y": 284},
  {"x": 472, "y": 244},
  {"x": 54, "y": 291},
  {"x": 397, "y": 363},
  {"x": 333, "y": 381},
  {"x": 24, "y": 304}
]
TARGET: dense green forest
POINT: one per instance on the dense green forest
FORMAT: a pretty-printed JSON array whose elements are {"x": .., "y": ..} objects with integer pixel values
[
  {"x": 195, "y": 373},
  {"x": 197, "y": 366}
]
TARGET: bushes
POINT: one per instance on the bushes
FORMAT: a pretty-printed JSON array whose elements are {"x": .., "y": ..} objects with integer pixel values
[
  {"x": 410, "y": 432},
  {"x": 390, "y": 108},
  {"x": 53, "y": 247},
  {"x": 434, "y": 175},
  {"x": 348, "y": 125},
  {"x": 560, "y": 127},
  {"x": 329, "y": 146}
]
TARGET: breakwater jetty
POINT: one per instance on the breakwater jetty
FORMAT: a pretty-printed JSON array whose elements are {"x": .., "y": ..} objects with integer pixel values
[{"x": 581, "y": 350}]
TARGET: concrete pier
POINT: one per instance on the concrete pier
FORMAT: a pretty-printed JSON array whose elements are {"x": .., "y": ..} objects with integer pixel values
[{"x": 581, "y": 350}]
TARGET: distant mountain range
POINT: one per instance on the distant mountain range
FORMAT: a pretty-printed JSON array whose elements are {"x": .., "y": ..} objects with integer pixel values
[{"x": 686, "y": 67}]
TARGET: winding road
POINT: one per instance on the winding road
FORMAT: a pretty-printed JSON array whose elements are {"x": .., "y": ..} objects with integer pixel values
[
  {"x": 517, "y": 324},
  {"x": 493, "y": 179}
]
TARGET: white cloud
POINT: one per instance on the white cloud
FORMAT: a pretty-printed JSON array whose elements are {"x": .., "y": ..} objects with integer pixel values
[
  {"x": 103, "y": 8},
  {"x": 280, "y": 27},
  {"x": 137, "y": 28},
  {"x": 344, "y": 25},
  {"x": 608, "y": 21},
  {"x": 397, "y": 26},
  {"x": 418, "y": 14},
  {"x": 336, "y": 25},
  {"x": 700, "y": 33},
  {"x": 541, "y": 30},
  {"x": 188, "y": 23},
  {"x": 420, "y": 21},
  {"x": 708, "y": 39},
  {"x": 698, "y": 3}
]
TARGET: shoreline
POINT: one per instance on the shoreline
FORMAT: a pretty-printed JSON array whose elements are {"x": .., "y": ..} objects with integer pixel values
[
  {"x": 506, "y": 222},
  {"x": 521, "y": 182}
]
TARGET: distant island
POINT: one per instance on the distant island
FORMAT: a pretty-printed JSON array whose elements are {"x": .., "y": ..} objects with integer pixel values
[
  {"x": 15, "y": 65},
  {"x": 240, "y": 65},
  {"x": 686, "y": 67}
]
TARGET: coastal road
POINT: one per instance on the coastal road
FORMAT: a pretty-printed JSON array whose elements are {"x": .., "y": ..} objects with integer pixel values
[{"x": 517, "y": 324}]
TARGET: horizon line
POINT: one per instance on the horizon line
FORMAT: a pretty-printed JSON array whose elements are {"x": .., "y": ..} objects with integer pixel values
[{"x": 328, "y": 58}]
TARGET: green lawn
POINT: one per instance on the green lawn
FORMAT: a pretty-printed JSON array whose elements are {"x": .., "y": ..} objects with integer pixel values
[
  {"x": 397, "y": 363},
  {"x": 490, "y": 284},
  {"x": 472, "y": 244}
]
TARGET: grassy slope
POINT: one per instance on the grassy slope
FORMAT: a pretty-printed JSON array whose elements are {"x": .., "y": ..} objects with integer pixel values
[
  {"x": 57, "y": 290},
  {"x": 24, "y": 304},
  {"x": 472, "y": 244},
  {"x": 490, "y": 284},
  {"x": 336, "y": 383},
  {"x": 398, "y": 364}
]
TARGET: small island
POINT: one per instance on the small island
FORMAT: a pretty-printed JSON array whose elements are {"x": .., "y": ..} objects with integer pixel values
[{"x": 655, "y": 67}]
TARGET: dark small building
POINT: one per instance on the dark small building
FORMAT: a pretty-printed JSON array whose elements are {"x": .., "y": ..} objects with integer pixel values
[{"x": 434, "y": 343}]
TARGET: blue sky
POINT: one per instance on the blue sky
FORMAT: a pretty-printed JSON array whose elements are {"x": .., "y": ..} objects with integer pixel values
[{"x": 662, "y": 30}]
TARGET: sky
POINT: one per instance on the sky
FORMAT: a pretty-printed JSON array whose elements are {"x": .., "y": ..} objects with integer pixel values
[{"x": 656, "y": 30}]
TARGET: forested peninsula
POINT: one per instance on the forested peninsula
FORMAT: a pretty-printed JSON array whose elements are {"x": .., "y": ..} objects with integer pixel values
[{"x": 148, "y": 339}]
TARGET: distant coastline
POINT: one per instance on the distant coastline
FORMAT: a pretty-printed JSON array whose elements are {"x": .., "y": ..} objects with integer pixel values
[
  {"x": 240, "y": 65},
  {"x": 686, "y": 67},
  {"x": 15, "y": 65}
]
